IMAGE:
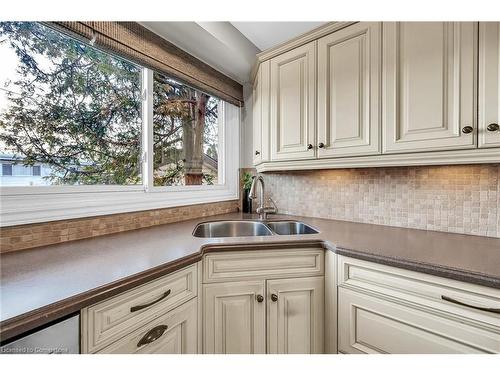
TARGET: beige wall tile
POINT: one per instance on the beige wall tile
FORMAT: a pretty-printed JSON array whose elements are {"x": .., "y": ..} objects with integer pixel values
[{"x": 460, "y": 199}]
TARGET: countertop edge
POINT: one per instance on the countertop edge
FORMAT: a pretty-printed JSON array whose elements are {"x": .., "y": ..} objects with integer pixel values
[{"x": 24, "y": 323}]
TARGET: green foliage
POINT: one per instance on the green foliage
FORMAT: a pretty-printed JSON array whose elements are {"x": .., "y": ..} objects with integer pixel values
[
  {"x": 247, "y": 180},
  {"x": 73, "y": 107}
]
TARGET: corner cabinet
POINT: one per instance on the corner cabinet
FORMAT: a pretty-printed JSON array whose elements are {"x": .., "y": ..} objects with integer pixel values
[
  {"x": 244, "y": 290},
  {"x": 371, "y": 94},
  {"x": 428, "y": 101},
  {"x": 293, "y": 104}
]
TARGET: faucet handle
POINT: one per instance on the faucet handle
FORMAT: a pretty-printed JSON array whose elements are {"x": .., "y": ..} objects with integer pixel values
[{"x": 273, "y": 203}]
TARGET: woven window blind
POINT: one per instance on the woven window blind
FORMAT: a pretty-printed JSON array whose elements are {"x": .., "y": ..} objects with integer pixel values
[{"x": 136, "y": 43}]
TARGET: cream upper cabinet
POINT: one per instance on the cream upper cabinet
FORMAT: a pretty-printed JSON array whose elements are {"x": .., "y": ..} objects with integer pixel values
[
  {"x": 489, "y": 84},
  {"x": 296, "y": 316},
  {"x": 234, "y": 318},
  {"x": 293, "y": 106},
  {"x": 349, "y": 70},
  {"x": 429, "y": 86},
  {"x": 261, "y": 114}
]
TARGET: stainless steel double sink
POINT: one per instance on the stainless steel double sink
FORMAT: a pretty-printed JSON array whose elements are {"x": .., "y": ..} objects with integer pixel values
[{"x": 246, "y": 228}]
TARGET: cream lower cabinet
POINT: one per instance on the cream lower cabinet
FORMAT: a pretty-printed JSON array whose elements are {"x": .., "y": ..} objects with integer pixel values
[
  {"x": 160, "y": 316},
  {"x": 295, "y": 315},
  {"x": 253, "y": 304},
  {"x": 173, "y": 333},
  {"x": 234, "y": 319},
  {"x": 383, "y": 309}
]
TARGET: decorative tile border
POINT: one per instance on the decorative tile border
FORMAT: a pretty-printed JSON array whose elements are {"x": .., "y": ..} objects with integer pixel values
[
  {"x": 33, "y": 235},
  {"x": 459, "y": 199}
]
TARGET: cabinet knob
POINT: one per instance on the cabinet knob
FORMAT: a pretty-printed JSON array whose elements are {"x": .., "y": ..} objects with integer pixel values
[
  {"x": 321, "y": 145},
  {"x": 274, "y": 297},
  {"x": 309, "y": 146},
  {"x": 467, "y": 129},
  {"x": 493, "y": 127},
  {"x": 259, "y": 298},
  {"x": 257, "y": 152}
]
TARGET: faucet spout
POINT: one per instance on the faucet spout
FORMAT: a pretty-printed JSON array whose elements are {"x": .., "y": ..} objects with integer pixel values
[{"x": 262, "y": 210}]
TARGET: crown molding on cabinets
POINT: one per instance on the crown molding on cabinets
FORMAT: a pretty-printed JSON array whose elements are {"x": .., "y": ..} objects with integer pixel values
[
  {"x": 297, "y": 42},
  {"x": 473, "y": 156}
]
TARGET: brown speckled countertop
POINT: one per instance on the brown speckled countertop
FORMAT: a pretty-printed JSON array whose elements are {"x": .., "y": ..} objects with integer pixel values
[{"x": 43, "y": 284}]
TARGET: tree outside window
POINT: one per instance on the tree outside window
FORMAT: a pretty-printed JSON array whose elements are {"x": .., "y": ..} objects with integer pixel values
[{"x": 76, "y": 110}]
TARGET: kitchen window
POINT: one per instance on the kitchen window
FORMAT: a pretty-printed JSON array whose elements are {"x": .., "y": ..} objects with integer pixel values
[{"x": 112, "y": 136}]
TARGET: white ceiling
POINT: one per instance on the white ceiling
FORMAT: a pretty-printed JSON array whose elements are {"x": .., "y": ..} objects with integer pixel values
[
  {"x": 229, "y": 47},
  {"x": 269, "y": 34}
]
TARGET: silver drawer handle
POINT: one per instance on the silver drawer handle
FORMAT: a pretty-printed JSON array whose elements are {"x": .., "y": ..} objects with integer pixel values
[
  {"x": 140, "y": 307},
  {"x": 488, "y": 309}
]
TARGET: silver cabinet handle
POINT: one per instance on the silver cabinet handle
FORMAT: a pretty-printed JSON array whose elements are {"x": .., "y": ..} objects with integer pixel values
[
  {"x": 140, "y": 307},
  {"x": 488, "y": 309},
  {"x": 152, "y": 335}
]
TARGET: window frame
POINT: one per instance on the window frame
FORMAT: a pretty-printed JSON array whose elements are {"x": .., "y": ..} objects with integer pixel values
[{"x": 21, "y": 204}]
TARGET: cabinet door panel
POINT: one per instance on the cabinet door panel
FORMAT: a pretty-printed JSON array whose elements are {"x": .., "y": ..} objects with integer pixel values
[
  {"x": 428, "y": 85},
  {"x": 295, "y": 319},
  {"x": 234, "y": 321},
  {"x": 257, "y": 117},
  {"x": 489, "y": 83},
  {"x": 261, "y": 114},
  {"x": 293, "y": 85},
  {"x": 348, "y": 91}
]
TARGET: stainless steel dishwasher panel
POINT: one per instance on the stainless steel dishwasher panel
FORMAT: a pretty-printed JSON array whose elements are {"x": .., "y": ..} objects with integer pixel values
[{"x": 60, "y": 338}]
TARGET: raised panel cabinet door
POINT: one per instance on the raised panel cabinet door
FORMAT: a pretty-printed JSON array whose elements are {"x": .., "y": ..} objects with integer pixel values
[
  {"x": 429, "y": 79},
  {"x": 489, "y": 84},
  {"x": 173, "y": 333},
  {"x": 257, "y": 118},
  {"x": 348, "y": 91},
  {"x": 261, "y": 114},
  {"x": 296, "y": 316},
  {"x": 234, "y": 318},
  {"x": 293, "y": 105}
]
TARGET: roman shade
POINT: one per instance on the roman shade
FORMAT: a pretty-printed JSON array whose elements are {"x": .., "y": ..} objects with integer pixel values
[{"x": 138, "y": 44}]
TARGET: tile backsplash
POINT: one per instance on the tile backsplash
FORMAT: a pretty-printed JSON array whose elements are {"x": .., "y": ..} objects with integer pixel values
[
  {"x": 459, "y": 199},
  {"x": 22, "y": 237}
]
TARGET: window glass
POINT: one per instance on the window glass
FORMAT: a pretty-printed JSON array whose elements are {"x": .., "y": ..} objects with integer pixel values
[
  {"x": 36, "y": 170},
  {"x": 68, "y": 106},
  {"x": 6, "y": 169},
  {"x": 185, "y": 134}
]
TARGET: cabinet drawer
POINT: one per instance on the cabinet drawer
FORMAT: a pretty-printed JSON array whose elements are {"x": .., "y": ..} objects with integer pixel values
[
  {"x": 109, "y": 320},
  {"x": 238, "y": 265},
  {"x": 172, "y": 333},
  {"x": 422, "y": 290},
  {"x": 372, "y": 324}
]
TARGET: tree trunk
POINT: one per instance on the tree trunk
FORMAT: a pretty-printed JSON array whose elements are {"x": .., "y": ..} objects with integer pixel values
[{"x": 193, "y": 142}]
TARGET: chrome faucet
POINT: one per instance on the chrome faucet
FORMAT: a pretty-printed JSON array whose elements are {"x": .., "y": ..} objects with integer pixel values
[{"x": 262, "y": 210}]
